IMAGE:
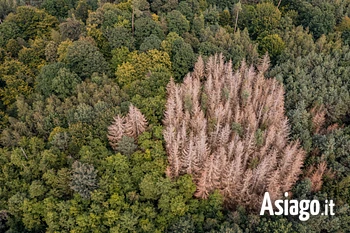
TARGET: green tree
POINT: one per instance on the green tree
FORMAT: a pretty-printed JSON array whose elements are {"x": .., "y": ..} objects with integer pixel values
[
  {"x": 344, "y": 27},
  {"x": 266, "y": 18},
  {"x": 305, "y": 80},
  {"x": 163, "y": 6},
  {"x": 318, "y": 16},
  {"x": 151, "y": 42},
  {"x": 58, "y": 8},
  {"x": 13, "y": 46},
  {"x": 177, "y": 22},
  {"x": 18, "y": 80},
  {"x": 186, "y": 8},
  {"x": 32, "y": 22},
  {"x": 198, "y": 24},
  {"x": 126, "y": 146},
  {"x": 144, "y": 27},
  {"x": 84, "y": 59},
  {"x": 119, "y": 36},
  {"x": 84, "y": 179},
  {"x": 7, "y": 7},
  {"x": 211, "y": 15},
  {"x": 167, "y": 44},
  {"x": 138, "y": 8},
  {"x": 298, "y": 43},
  {"x": 71, "y": 29},
  {"x": 51, "y": 51},
  {"x": 34, "y": 55},
  {"x": 82, "y": 10},
  {"x": 273, "y": 44},
  {"x": 275, "y": 225},
  {"x": 138, "y": 65},
  {"x": 119, "y": 56},
  {"x": 64, "y": 83},
  {"x": 225, "y": 17},
  {"x": 8, "y": 30},
  {"x": 56, "y": 79},
  {"x": 182, "y": 58}
]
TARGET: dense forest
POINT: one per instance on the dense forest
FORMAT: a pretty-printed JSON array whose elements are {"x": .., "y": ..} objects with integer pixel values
[{"x": 172, "y": 116}]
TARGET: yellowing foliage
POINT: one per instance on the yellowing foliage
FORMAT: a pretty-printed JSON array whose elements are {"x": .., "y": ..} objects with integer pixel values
[
  {"x": 138, "y": 65},
  {"x": 62, "y": 49}
]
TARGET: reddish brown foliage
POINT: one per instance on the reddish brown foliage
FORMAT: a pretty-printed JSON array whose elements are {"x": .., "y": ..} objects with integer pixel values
[
  {"x": 230, "y": 133},
  {"x": 318, "y": 118},
  {"x": 132, "y": 125},
  {"x": 316, "y": 175}
]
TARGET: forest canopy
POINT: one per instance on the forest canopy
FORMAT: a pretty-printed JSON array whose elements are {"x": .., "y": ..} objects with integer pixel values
[{"x": 172, "y": 116}]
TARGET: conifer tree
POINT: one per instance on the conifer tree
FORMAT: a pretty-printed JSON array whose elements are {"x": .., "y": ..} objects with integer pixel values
[
  {"x": 230, "y": 133},
  {"x": 115, "y": 131},
  {"x": 132, "y": 126}
]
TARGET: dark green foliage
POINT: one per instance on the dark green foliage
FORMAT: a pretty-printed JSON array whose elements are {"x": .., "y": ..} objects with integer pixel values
[
  {"x": 119, "y": 37},
  {"x": 126, "y": 146},
  {"x": 149, "y": 94},
  {"x": 2, "y": 54},
  {"x": 64, "y": 83},
  {"x": 46, "y": 76},
  {"x": 318, "y": 79},
  {"x": 246, "y": 16},
  {"x": 211, "y": 15},
  {"x": 187, "y": 9},
  {"x": 302, "y": 189},
  {"x": 177, "y": 22},
  {"x": 301, "y": 124},
  {"x": 182, "y": 58},
  {"x": 346, "y": 37},
  {"x": 56, "y": 79},
  {"x": 151, "y": 42},
  {"x": 335, "y": 148},
  {"x": 8, "y": 30},
  {"x": 81, "y": 10},
  {"x": 298, "y": 43},
  {"x": 316, "y": 15},
  {"x": 84, "y": 179},
  {"x": 198, "y": 24},
  {"x": 225, "y": 17},
  {"x": 109, "y": 16},
  {"x": 314, "y": 80},
  {"x": 84, "y": 59},
  {"x": 144, "y": 27},
  {"x": 163, "y": 5},
  {"x": 183, "y": 225},
  {"x": 274, "y": 226},
  {"x": 58, "y": 8},
  {"x": 223, "y": 4},
  {"x": 71, "y": 29},
  {"x": 3, "y": 219}
]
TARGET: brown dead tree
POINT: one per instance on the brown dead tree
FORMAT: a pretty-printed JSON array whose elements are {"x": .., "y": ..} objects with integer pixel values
[
  {"x": 132, "y": 125},
  {"x": 229, "y": 131}
]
